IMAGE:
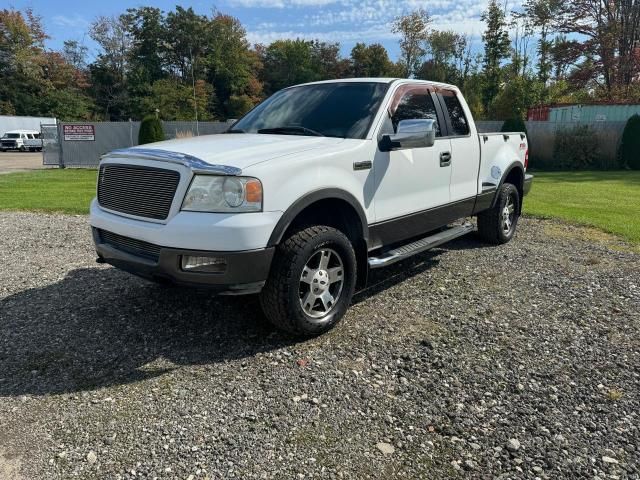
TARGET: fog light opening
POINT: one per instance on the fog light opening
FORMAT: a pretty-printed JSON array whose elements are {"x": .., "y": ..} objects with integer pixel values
[{"x": 203, "y": 264}]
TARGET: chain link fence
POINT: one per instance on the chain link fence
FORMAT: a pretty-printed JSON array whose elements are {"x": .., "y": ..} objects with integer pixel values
[
  {"x": 81, "y": 144},
  {"x": 50, "y": 144},
  {"x": 544, "y": 138}
]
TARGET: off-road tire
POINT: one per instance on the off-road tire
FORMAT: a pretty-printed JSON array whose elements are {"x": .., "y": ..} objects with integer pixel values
[
  {"x": 490, "y": 222},
  {"x": 280, "y": 297}
]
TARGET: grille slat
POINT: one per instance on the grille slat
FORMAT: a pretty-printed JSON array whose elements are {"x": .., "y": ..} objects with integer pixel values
[
  {"x": 136, "y": 190},
  {"x": 130, "y": 245}
]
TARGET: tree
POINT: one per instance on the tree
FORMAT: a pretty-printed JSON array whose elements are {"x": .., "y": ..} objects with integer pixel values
[
  {"x": 238, "y": 105},
  {"x": 175, "y": 101},
  {"x": 21, "y": 61},
  {"x": 372, "y": 61},
  {"x": 414, "y": 32},
  {"x": 75, "y": 54},
  {"x": 35, "y": 81},
  {"x": 109, "y": 73},
  {"x": 184, "y": 49},
  {"x": 326, "y": 61},
  {"x": 231, "y": 66},
  {"x": 286, "y": 63},
  {"x": 145, "y": 26},
  {"x": 542, "y": 16},
  {"x": 447, "y": 53},
  {"x": 496, "y": 49},
  {"x": 611, "y": 29},
  {"x": 150, "y": 130},
  {"x": 518, "y": 95}
]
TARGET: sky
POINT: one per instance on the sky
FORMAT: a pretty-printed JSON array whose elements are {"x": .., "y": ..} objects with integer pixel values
[{"x": 344, "y": 21}]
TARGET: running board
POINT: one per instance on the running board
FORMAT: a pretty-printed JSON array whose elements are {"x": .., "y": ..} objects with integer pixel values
[{"x": 419, "y": 246}]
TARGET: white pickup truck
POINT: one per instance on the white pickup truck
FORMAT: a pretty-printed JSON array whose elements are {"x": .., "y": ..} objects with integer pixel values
[{"x": 308, "y": 191}]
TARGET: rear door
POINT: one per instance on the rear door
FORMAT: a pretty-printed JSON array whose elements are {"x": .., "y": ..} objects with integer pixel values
[
  {"x": 465, "y": 146},
  {"x": 413, "y": 180}
]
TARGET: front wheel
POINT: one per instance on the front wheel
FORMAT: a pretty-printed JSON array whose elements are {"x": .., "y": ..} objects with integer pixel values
[
  {"x": 498, "y": 224},
  {"x": 311, "y": 282}
]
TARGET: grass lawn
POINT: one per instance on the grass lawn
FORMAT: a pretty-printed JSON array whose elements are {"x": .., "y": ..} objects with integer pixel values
[
  {"x": 50, "y": 190},
  {"x": 609, "y": 201}
]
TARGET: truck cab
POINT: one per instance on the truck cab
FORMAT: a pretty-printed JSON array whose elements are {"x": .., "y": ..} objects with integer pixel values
[{"x": 306, "y": 193}]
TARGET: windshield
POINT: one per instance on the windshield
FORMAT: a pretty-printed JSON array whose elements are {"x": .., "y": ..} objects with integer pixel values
[
  {"x": 343, "y": 110},
  {"x": 11, "y": 135}
]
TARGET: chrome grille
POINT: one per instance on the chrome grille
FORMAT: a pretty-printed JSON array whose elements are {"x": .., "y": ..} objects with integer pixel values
[
  {"x": 137, "y": 190},
  {"x": 130, "y": 245}
]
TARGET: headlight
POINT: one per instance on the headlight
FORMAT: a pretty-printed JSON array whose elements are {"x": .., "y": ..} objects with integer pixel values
[{"x": 211, "y": 193}]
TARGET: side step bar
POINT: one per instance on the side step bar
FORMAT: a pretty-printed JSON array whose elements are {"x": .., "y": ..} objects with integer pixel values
[{"x": 419, "y": 246}]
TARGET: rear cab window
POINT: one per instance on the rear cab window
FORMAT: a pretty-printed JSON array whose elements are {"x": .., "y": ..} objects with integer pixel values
[{"x": 458, "y": 120}]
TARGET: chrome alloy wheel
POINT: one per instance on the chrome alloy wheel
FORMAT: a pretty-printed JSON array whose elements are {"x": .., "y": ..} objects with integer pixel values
[
  {"x": 508, "y": 214},
  {"x": 321, "y": 283}
]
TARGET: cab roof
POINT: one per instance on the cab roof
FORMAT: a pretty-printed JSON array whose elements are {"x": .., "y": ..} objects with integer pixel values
[{"x": 381, "y": 80}]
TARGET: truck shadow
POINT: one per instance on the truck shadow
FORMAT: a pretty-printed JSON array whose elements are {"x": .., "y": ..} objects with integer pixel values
[{"x": 100, "y": 327}]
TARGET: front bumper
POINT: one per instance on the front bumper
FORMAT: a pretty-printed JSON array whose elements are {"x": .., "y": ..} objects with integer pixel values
[
  {"x": 246, "y": 271},
  {"x": 528, "y": 182}
]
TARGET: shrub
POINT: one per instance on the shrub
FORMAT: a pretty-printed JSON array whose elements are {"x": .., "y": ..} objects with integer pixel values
[
  {"x": 150, "y": 130},
  {"x": 577, "y": 148},
  {"x": 514, "y": 125},
  {"x": 630, "y": 144}
]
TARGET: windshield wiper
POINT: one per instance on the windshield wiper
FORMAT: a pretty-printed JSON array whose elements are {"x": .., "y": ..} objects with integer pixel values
[
  {"x": 292, "y": 129},
  {"x": 235, "y": 130}
]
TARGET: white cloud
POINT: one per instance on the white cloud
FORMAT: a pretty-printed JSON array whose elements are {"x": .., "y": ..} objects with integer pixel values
[
  {"x": 280, "y": 3},
  {"x": 75, "y": 21},
  {"x": 361, "y": 20}
]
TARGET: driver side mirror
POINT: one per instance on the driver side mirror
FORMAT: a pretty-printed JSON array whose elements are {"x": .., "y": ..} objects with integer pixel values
[{"x": 418, "y": 133}]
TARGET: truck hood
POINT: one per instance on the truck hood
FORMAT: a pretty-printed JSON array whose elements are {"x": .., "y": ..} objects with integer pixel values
[{"x": 240, "y": 150}]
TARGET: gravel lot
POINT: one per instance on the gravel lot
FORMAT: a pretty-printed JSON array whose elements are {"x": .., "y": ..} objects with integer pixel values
[
  {"x": 20, "y": 161},
  {"x": 510, "y": 362}
]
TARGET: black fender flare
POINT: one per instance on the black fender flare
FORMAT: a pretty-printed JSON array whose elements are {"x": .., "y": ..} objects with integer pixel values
[
  {"x": 507, "y": 172},
  {"x": 310, "y": 198}
]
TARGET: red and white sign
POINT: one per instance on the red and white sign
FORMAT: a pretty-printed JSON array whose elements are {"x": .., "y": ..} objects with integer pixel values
[{"x": 79, "y": 133}]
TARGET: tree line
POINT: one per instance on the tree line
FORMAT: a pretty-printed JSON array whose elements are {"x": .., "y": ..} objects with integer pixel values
[{"x": 184, "y": 65}]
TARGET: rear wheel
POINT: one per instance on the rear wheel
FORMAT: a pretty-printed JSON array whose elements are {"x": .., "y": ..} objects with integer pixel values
[
  {"x": 498, "y": 224},
  {"x": 311, "y": 282}
]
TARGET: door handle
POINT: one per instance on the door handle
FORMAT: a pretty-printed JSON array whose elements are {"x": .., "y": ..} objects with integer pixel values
[{"x": 445, "y": 159}]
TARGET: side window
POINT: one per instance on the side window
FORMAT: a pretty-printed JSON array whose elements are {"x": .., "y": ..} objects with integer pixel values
[
  {"x": 459, "y": 123},
  {"x": 29, "y": 136},
  {"x": 416, "y": 104}
]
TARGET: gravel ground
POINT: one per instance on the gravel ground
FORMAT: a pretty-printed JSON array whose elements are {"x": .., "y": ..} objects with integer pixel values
[
  {"x": 472, "y": 361},
  {"x": 20, "y": 161}
]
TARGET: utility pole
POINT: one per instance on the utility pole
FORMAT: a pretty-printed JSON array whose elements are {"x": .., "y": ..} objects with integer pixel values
[{"x": 195, "y": 99}]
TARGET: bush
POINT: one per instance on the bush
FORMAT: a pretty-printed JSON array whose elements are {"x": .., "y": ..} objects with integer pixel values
[
  {"x": 630, "y": 144},
  {"x": 150, "y": 130},
  {"x": 514, "y": 125},
  {"x": 577, "y": 148}
]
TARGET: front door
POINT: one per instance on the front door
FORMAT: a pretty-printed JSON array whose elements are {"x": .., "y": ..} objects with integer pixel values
[{"x": 414, "y": 180}]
